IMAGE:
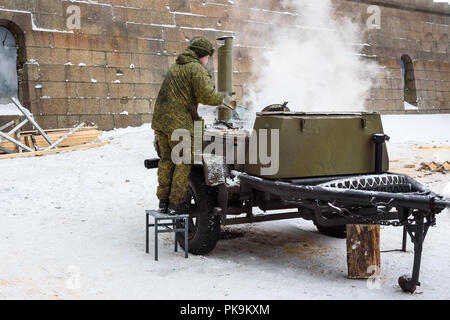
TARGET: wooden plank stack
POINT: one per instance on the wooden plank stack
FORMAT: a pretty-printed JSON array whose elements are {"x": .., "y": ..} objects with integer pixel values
[
  {"x": 36, "y": 141},
  {"x": 11, "y": 146},
  {"x": 82, "y": 136}
]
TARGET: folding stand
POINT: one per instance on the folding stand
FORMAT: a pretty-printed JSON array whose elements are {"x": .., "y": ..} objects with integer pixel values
[
  {"x": 29, "y": 118},
  {"x": 169, "y": 227}
]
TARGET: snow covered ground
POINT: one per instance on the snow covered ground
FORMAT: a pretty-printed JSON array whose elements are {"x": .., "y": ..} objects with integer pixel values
[{"x": 72, "y": 226}]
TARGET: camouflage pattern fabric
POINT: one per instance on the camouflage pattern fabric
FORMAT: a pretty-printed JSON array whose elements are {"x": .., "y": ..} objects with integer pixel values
[
  {"x": 172, "y": 179},
  {"x": 187, "y": 83},
  {"x": 202, "y": 47}
]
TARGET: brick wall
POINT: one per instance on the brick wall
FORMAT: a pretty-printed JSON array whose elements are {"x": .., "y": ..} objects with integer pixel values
[{"x": 109, "y": 71}]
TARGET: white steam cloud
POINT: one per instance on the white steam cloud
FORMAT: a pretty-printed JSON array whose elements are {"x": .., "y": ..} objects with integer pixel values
[{"x": 313, "y": 61}]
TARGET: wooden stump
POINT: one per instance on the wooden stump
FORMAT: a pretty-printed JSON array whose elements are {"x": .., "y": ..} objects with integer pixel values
[{"x": 363, "y": 250}]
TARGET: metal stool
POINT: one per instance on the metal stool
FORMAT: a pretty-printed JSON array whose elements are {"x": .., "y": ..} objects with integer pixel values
[{"x": 169, "y": 227}]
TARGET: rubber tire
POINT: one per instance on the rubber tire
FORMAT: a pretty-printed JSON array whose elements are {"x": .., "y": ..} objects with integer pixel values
[
  {"x": 207, "y": 226},
  {"x": 336, "y": 232}
]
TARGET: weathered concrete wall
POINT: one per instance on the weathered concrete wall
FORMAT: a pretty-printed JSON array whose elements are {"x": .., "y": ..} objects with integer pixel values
[
  {"x": 419, "y": 29},
  {"x": 109, "y": 71}
]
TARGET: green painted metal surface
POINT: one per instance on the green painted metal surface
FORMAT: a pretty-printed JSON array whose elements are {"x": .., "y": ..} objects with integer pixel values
[
  {"x": 314, "y": 144},
  {"x": 225, "y": 74}
]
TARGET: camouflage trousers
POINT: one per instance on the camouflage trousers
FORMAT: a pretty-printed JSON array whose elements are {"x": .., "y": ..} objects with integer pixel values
[{"x": 172, "y": 179}]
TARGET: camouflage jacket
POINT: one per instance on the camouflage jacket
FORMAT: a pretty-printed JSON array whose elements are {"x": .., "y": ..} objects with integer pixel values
[{"x": 186, "y": 84}]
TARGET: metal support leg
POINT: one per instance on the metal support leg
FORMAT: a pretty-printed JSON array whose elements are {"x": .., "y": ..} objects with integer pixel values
[
  {"x": 30, "y": 118},
  {"x": 403, "y": 216},
  {"x": 146, "y": 232},
  {"x": 7, "y": 125},
  {"x": 174, "y": 226},
  {"x": 417, "y": 233},
  {"x": 156, "y": 239},
  {"x": 164, "y": 227},
  {"x": 6, "y": 150},
  {"x": 16, "y": 128},
  {"x": 186, "y": 238},
  {"x": 65, "y": 136},
  {"x": 17, "y": 143},
  {"x": 17, "y": 135},
  {"x": 405, "y": 234}
]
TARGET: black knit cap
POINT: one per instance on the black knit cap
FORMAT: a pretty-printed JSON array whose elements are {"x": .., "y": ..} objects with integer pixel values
[{"x": 202, "y": 47}]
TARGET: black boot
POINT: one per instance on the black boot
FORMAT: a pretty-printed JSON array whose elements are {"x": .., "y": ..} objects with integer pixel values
[
  {"x": 179, "y": 208},
  {"x": 164, "y": 206}
]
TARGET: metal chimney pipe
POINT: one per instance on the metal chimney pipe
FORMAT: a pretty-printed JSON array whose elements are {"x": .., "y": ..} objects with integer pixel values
[{"x": 225, "y": 74}]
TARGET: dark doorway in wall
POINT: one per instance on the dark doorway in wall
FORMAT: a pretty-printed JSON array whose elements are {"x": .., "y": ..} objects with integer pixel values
[
  {"x": 8, "y": 66},
  {"x": 408, "y": 80}
]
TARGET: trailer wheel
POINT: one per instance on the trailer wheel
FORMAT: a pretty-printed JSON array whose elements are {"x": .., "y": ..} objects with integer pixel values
[
  {"x": 204, "y": 227},
  {"x": 337, "y": 231}
]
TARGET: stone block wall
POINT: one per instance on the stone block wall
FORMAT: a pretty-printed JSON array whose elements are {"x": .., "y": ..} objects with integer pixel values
[
  {"x": 109, "y": 71},
  {"x": 420, "y": 30}
]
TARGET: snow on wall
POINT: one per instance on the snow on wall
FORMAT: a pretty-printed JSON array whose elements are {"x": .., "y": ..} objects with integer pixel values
[
  {"x": 34, "y": 26},
  {"x": 141, "y": 38}
]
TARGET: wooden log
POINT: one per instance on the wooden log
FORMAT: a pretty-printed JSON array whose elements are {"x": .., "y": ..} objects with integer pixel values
[{"x": 363, "y": 250}]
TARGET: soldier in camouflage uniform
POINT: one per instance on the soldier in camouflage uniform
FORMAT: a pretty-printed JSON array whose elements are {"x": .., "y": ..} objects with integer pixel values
[{"x": 186, "y": 84}]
